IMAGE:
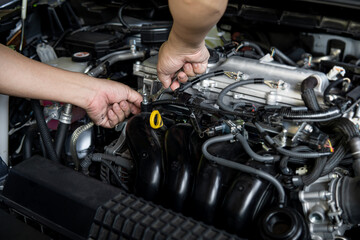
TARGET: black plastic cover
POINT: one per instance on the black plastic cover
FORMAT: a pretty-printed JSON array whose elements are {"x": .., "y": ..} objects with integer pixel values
[
  {"x": 56, "y": 196},
  {"x": 98, "y": 44},
  {"x": 155, "y": 33}
]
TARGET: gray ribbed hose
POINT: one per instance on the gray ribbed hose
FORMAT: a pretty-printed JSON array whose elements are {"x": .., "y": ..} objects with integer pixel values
[
  {"x": 239, "y": 166},
  {"x": 74, "y": 137}
]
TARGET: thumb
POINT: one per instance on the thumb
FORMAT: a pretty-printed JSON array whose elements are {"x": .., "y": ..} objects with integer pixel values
[
  {"x": 133, "y": 96},
  {"x": 165, "y": 79}
]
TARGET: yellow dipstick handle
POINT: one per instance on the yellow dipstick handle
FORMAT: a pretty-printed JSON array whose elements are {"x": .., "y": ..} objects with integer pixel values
[{"x": 155, "y": 115}]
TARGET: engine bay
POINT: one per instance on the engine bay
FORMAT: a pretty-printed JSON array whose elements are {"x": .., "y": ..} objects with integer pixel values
[{"x": 264, "y": 145}]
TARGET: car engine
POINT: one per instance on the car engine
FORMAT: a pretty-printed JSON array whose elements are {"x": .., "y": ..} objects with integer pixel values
[{"x": 264, "y": 145}]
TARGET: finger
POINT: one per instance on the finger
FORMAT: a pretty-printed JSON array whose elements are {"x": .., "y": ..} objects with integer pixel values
[
  {"x": 119, "y": 111},
  {"x": 199, "y": 67},
  {"x": 188, "y": 69},
  {"x": 113, "y": 118},
  {"x": 182, "y": 77},
  {"x": 124, "y": 106},
  {"x": 133, "y": 96},
  {"x": 164, "y": 79},
  {"x": 134, "y": 109},
  {"x": 175, "y": 85}
]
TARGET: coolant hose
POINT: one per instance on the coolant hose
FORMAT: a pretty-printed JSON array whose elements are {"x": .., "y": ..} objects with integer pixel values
[
  {"x": 44, "y": 130},
  {"x": 74, "y": 137},
  {"x": 64, "y": 123},
  {"x": 28, "y": 141},
  {"x": 223, "y": 93},
  {"x": 114, "y": 59},
  {"x": 251, "y": 153},
  {"x": 60, "y": 138},
  {"x": 288, "y": 152},
  {"x": 239, "y": 166}
]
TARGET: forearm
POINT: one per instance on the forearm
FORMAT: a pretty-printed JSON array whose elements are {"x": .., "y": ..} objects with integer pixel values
[
  {"x": 23, "y": 77},
  {"x": 193, "y": 19}
]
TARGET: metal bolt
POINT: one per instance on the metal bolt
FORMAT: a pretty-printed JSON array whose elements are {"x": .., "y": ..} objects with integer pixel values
[{"x": 308, "y": 128}]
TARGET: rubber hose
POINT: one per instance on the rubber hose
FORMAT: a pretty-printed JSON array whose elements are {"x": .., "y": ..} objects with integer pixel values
[
  {"x": 308, "y": 94},
  {"x": 286, "y": 159},
  {"x": 44, "y": 130},
  {"x": 254, "y": 46},
  {"x": 251, "y": 153},
  {"x": 74, "y": 137},
  {"x": 284, "y": 166},
  {"x": 223, "y": 92},
  {"x": 309, "y": 83},
  {"x": 315, "y": 172},
  {"x": 285, "y": 58},
  {"x": 28, "y": 141},
  {"x": 310, "y": 100},
  {"x": 301, "y": 154},
  {"x": 331, "y": 86},
  {"x": 60, "y": 137},
  {"x": 42, "y": 147},
  {"x": 241, "y": 167}
]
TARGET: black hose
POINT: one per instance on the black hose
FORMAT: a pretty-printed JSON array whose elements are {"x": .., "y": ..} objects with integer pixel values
[
  {"x": 28, "y": 141},
  {"x": 310, "y": 100},
  {"x": 241, "y": 167},
  {"x": 331, "y": 86},
  {"x": 223, "y": 92},
  {"x": 120, "y": 15},
  {"x": 308, "y": 94},
  {"x": 285, "y": 58},
  {"x": 44, "y": 130},
  {"x": 251, "y": 153},
  {"x": 254, "y": 46},
  {"x": 309, "y": 83},
  {"x": 60, "y": 137},
  {"x": 315, "y": 172},
  {"x": 286, "y": 159}
]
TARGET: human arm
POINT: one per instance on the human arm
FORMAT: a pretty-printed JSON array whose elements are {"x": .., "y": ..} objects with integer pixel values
[
  {"x": 185, "y": 48},
  {"x": 107, "y": 102}
]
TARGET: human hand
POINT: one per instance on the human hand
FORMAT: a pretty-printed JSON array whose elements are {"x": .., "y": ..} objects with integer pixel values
[
  {"x": 112, "y": 103},
  {"x": 173, "y": 56}
]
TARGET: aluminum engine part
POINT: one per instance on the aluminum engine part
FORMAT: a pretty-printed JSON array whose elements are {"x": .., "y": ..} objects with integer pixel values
[
  {"x": 320, "y": 202},
  {"x": 287, "y": 93}
]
